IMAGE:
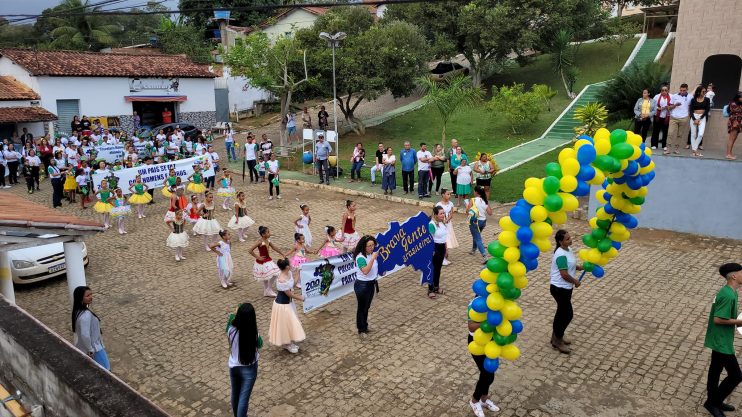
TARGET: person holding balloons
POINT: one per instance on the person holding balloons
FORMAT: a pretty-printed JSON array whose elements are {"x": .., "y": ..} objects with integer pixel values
[
  {"x": 563, "y": 270},
  {"x": 480, "y": 398}
]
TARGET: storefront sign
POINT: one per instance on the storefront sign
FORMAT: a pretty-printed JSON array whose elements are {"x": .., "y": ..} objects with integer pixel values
[{"x": 153, "y": 84}]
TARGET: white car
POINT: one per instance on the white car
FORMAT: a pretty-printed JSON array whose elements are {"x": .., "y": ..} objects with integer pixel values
[{"x": 39, "y": 263}]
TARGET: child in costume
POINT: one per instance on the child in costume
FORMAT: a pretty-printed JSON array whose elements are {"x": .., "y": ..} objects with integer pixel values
[
  {"x": 178, "y": 201},
  {"x": 194, "y": 211},
  {"x": 82, "y": 187},
  {"x": 103, "y": 206},
  {"x": 302, "y": 224},
  {"x": 178, "y": 238},
  {"x": 196, "y": 180},
  {"x": 285, "y": 327},
  {"x": 349, "y": 237},
  {"x": 170, "y": 181},
  {"x": 265, "y": 269},
  {"x": 120, "y": 209},
  {"x": 299, "y": 254},
  {"x": 225, "y": 189},
  {"x": 240, "y": 221},
  {"x": 139, "y": 196},
  {"x": 224, "y": 263},
  {"x": 331, "y": 247},
  {"x": 207, "y": 226}
]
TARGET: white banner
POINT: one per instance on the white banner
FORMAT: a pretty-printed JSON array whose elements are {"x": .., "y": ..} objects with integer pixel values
[
  {"x": 110, "y": 153},
  {"x": 154, "y": 175}
]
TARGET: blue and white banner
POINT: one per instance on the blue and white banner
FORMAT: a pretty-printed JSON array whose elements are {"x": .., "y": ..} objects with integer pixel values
[
  {"x": 154, "y": 175},
  {"x": 110, "y": 153}
]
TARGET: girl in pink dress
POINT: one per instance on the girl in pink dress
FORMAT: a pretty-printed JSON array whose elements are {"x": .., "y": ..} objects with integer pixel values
[
  {"x": 299, "y": 257},
  {"x": 265, "y": 269},
  {"x": 331, "y": 247}
]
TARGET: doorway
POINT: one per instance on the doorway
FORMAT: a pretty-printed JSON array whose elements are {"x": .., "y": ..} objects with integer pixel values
[{"x": 151, "y": 111}]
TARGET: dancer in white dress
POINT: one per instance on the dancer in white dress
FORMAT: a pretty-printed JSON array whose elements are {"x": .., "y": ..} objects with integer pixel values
[
  {"x": 448, "y": 208},
  {"x": 224, "y": 264},
  {"x": 207, "y": 226},
  {"x": 178, "y": 238},
  {"x": 240, "y": 221},
  {"x": 285, "y": 327},
  {"x": 302, "y": 224}
]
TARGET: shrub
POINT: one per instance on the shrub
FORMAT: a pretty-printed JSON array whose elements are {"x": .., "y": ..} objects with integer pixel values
[
  {"x": 518, "y": 106},
  {"x": 620, "y": 94},
  {"x": 592, "y": 117}
]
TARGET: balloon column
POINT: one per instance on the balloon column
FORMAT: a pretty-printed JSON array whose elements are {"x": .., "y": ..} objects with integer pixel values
[{"x": 617, "y": 161}]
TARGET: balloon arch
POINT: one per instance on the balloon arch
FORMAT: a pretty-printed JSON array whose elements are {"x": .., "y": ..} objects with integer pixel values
[{"x": 620, "y": 164}]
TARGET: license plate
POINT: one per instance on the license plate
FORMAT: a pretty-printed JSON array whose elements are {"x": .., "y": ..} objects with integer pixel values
[{"x": 57, "y": 268}]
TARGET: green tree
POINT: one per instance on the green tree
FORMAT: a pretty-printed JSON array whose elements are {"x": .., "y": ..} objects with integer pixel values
[
  {"x": 176, "y": 37},
  {"x": 450, "y": 97},
  {"x": 546, "y": 93},
  {"x": 517, "y": 106},
  {"x": 18, "y": 35},
  {"x": 137, "y": 29},
  {"x": 78, "y": 29},
  {"x": 592, "y": 116},
  {"x": 278, "y": 67},
  {"x": 563, "y": 57},
  {"x": 621, "y": 92},
  {"x": 619, "y": 31},
  {"x": 373, "y": 59}
]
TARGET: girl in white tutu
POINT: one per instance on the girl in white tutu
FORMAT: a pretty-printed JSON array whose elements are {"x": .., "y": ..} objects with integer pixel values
[
  {"x": 224, "y": 264},
  {"x": 448, "y": 208},
  {"x": 285, "y": 329},
  {"x": 178, "y": 238},
  {"x": 265, "y": 269},
  {"x": 120, "y": 209},
  {"x": 225, "y": 189},
  {"x": 193, "y": 209},
  {"x": 302, "y": 224},
  {"x": 207, "y": 226},
  {"x": 240, "y": 221},
  {"x": 331, "y": 247},
  {"x": 349, "y": 237},
  {"x": 139, "y": 196}
]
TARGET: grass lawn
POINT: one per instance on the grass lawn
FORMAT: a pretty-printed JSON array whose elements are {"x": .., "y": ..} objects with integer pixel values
[{"x": 508, "y": 186}]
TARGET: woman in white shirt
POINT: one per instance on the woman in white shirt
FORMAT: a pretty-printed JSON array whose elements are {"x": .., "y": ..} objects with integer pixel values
[
  {"x": 389, "y": 172},
  {"x": 367, "y": 269},
  {"x": 229, "y": 143},
  {"x": 478, "y": 209},
  {"x": 563, "y": 271},
  {"x": 271, "y": 167},
  {"x": 86, "y": 326},
  {"x": 463, "y": 180},
  {"x": 3, "y": 167},
  {"x": 439, "y": 231},
  {"x": 448, "y": 209},
  {"x": 244, "y": 342},
  {"x": 12, "y": 161},
  {"x": 34, "y": 162}
]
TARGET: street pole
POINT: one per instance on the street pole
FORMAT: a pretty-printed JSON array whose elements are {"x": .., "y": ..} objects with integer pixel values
[{"x": 335, "y": 114}]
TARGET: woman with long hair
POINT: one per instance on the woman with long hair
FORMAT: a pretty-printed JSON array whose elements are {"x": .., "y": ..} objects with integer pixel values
[
  {"x": 563, "y": 271},
  {"x": 285, "y": 328},
  {"x": 437, "y": 228},
  {"x": 244, "y": 342},
  {"x": 448, "y": 208},
  {"x": 86, "y": 326},
  {"x": 700, "y": 107},
  {"x": 265, "y": 269},
  {"x": 734, "y": 124},
  {"x": 366, "y": 284},
  {"x": 478, "y": 209}
]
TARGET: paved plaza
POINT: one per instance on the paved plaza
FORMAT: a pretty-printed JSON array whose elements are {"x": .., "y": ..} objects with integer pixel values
[{"x": 638, "y": 332}]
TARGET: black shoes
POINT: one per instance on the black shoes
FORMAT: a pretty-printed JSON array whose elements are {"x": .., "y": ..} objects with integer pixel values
[{"x": 717, "y": 411}]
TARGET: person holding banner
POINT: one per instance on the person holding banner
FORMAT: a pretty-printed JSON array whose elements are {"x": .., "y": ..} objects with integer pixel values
[
  {"x": 365, "y": 284},
  {"x": 285, "y": 328},
  {"x": 265, "y": 269},
  {"x": 349, "y": 236},
  {"x": 139, "y": 196},
  {"x": 207, "y": 226},
  {"x": 178, "y": 238},
  {"x": 437, "y": 228},
  {"x": 240, "y": 221}
]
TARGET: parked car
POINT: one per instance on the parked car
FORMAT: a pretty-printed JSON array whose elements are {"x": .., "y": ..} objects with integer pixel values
[
  {"x": 190, "y": 131},
  {"x": 39, "y": 263},
  {"x": 444, "y": 70}
]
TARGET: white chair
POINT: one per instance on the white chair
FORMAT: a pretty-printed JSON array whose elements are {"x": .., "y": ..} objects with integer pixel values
[{"x": 307, "y": 134}]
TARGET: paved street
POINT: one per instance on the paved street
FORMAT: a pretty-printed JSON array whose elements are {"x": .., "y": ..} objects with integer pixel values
[{"x": 638, "y": 332}]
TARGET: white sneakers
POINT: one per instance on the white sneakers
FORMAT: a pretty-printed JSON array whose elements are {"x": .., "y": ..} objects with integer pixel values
[
  {"x": 292, "y": 348},
  {"x": 446, "y": 262},
  {"x": 479, "y": 407},
  {"x": 488, "y": 404}
]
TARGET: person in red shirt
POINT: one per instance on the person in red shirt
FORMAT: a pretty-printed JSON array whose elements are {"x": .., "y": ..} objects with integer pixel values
[{"x": 167, "y": 117}]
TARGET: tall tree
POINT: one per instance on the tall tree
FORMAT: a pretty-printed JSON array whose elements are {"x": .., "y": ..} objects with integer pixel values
[
  {"x": 450, "y": 97},
  {"x": 176, "y": 37},
  {"x": 563, "y": 57},
  {"x": 78, "y": 29}
]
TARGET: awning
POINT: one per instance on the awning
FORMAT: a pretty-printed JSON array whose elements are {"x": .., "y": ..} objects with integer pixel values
[
  {"x": 160, "y": 99},
  {"x": 25, "y": 114}
]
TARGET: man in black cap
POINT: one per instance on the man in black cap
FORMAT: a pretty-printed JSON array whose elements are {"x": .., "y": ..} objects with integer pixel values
[{"x": 720, "y": 339}]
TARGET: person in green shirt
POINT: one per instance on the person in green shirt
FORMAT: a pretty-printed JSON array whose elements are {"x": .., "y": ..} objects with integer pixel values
[{"x": 720, "y": 339}]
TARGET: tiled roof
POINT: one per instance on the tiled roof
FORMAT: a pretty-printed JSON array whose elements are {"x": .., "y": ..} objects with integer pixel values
[
  {"x": 25, "y": 114},
  {"x": 16, "y": 211},
  {"x": 12, "y": 89},
  {"x": 95, "y": 64}
]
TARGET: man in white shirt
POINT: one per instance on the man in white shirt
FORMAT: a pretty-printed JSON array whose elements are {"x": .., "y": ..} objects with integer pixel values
[
  {"x": 423, "y": 171},
  {"x": 214, "y": 161},
  {"x": 677, "y": 132},
  {"x": 250, "y": 151}
]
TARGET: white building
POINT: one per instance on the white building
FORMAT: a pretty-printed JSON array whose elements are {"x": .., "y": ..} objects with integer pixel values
[
  {"x": 19, "y": 109},
  {"x": 110, "y": 86}
]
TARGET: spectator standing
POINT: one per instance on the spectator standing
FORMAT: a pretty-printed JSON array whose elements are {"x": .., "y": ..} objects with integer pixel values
[
  {"x": 389, "y": 173},
  {"x": 34, "y": 167},
  {"x": 306, "y": 119},
  {"x": 408, "y": 157},
  {"x": 86, "y": 326},
  {"x": 272, "y": 168},
  {"x": 291, "y": 126},
  {"x": 451, "y": 168},
  {"x": 699, "y": 108},
  {"x": 26, "y": 137},
  {"x": 478, "y": 208},
  {"x": 423, "y": 171},
  {"x": 167, "y": 117},
  {"x": 244, "y": 342},
  {"x": 734, "y": 124},
  {"x": 378, "y": 166},
  {"x": 367, "y": 273},
  {"x": 662, "y": 103},
  {"x": 437, "y": 166},
  {"x": 12, "y": 161},
  {"x": 251, "y": 151},
  {"x": 76, "y": 125},
  {"x": 137, "y": 122},
  {"x": 484, "y": 170},
  {"x": 322, "y": 118},
  {"x": 322, "y": 152},
  {"x": 3, "y": 168},
  {"x": 266, "y": 147},
  {"x": 229, "y": 144},
  {"x": 679, "y": 118},
  {"x": 357, "y": 160},
  {"x": 439, "y": 231},
  {"x": 562, "y": 276},
  {"x": 457, "y": 160},
  {"x": 643, "y": 110},
  {"x": 710, "y": 94}
]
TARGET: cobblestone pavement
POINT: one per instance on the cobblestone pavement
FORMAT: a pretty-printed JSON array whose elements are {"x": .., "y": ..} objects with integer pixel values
[{"x": 638, "y": 333}]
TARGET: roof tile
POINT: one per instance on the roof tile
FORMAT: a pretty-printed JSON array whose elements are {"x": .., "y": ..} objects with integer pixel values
[
  {"x": 25, "y": 114},
  {"x": 12, "y": 89}
]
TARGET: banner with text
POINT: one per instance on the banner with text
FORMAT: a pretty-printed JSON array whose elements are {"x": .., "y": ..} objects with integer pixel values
[
  {"x": 154, "y": 175},
  {"x": 109, "y": 153}
]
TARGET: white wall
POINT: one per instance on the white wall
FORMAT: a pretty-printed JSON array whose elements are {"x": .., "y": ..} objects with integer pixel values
[
  {"x": 241, "y": 93},
  {"x": 16, "y": 103},
  {"x": 298, "y": 18},
  {"x": 8, "y": 67}
]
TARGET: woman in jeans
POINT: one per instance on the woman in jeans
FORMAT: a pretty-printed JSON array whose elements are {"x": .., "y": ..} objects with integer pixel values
[
  {"x": 86, "y": 326},
  {"x": 367, "y": 272},
  {"x": 661, "y": 123},
  {"x": 244, "y": 342},
  {"x": 563, "y": 270},
  {"x": 359, "y": 155},
  {"x": 437, "y": 166},
  {"x": 643, "y": 110},
  {"x": 478, "y": 208},
  {"x": 12, "y": 161}
]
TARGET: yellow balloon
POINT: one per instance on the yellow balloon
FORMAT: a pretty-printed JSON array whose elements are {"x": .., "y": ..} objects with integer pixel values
[
  {"x": 507, "y": 224},
  {"x": 478, "y": 317},
  {"x": 533, "y": 182},
  {"x": 534, "y": 196},
  {"x": 600, "y": 195},
  {"x": 505, "y": 328},
  {"x": 624, "y": 164},
  {"x": 566, "y": 153},
  {"x": 508, "y": 238},
  {"x": 617, "y": 228},
  {"x": 481, "y": 337},
  {"x": 476, "y": 349},
  {"x": 495, "y": 301},
  {"x": 520, "y": 282},
  {"x": 593, "y": 255},
  {"x": 492, "y": 350},
  {"x": 488, "y": 276},
  {"x": 332, "y": 160},
  {"x": 539, "y": 213},
  {"x": 511, "y": 255},
  {"x": 621, "y": 237},
  {"x": 602, "y": 261},
  {"x": 568, "y": 183},
  {"x": 612, "y": 253},
  {"x": 542, "y": 244},
  {"x": 582, "y": 142},
  {"x": 492, "y": 288},
  {"x": 583, "y": 254},
  {"x": 631, "y": 209},
  {"x": 602, "y": 133},
  {"x": 541, "y": 229},
  {"x": 558, "y": 217},
  {"x": 511, "y": 310},
  {"x": 593, "y": 222},
  {"x": 637, "y": 153},
  {"x": 510, "y": 352},
  {"x": 570, "y": 202},
  {"x": 517, "y": 269},
  {"x": 602, "y": 215},
  {"x": 617, "y": 202},
  {"x": 598, "y": 178},
  {"x": 602, "y": 146},
  {"x": 648, "y": 151},
  {"x": 642, "y": 192},
  {"x": 570, "y": 166}
]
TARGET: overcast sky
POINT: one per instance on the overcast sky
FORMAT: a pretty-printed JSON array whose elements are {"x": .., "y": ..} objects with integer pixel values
[{"x": 37, "y": 6}]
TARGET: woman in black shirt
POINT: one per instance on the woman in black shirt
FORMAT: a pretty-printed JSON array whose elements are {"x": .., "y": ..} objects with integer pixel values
[
  {"x": 699, "y": 113},
  {"x": 76, "y": 125}
]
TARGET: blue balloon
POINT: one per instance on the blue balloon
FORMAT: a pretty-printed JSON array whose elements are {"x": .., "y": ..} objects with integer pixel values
[
  {"x": 517, "y": 324},
  {"x": 622, "y": 218},
  {"x": 598, "y": 272},
  {"x": 643, "y": 146},
  {"x": 586, "y": 137},
  {"x": 616, "y": 245},
  {"x": 631, "y": 169},
  {"x": 651, "y": 175},
  {"x": 480, "y": 288},
  {"x": 621, "y": 180},
  {"x": 491, "y": 365},
  {"x": 528, "y": 250},
  {"x": 494, "y": 318},
  {"x": 582, "y": 189},
  {"x": 530, "y": 264},
  {"x": 586, "y": 155},
  {"x": 524, "y": 234},
  {"x": 523, "y": 203},
  {"x": 643, "y": 160},
  {"x": 605, "y": 183},
  {"x": 632, "y": 223},
  {"x": 479, "y": 304},
  {"x": 587, "y": 172},
  {"x": 635, "y": 183},
  {"x": 609, "y": 208},
  {"x": 520, "y": 216}
]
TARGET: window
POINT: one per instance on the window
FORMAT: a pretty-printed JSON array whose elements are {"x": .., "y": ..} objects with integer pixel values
[{"x": 724, "y": 72}]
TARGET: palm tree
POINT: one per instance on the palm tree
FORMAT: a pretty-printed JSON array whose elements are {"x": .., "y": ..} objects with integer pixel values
[
  {"x": 450, "y": 97},
  {"x": 78, "y": 29},
  {"x": 563, "y": 60}
]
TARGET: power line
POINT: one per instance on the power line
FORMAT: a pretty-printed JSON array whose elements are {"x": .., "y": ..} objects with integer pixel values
[{"x": 30, "y": 17}]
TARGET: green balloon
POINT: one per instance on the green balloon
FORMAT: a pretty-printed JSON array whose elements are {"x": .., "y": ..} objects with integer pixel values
[
  {"x": 505, "y": 281},
  {"x": 615, "y": 165},
  {"x": 599, "y": 234},
  {"x": 618, "y": 136},
  {"x": 512, "y": 338},
  {"x": 548, "y": 220},
  {"x": 588, "y": 266},
  {"x": 610, "y": 180},
  {"x": 497, "y": 265},
  {"x": 622, "y": 150},
  {"x": 516, "y": 294},
  {"x": 551, "y": 185},
  {"x": 553, "y": 202},
  {"x": 553, "y": 170},
  {"x": 589, "y": 241},
  {"x": 605, "y": 245},
  {"x": 604, "y": 224},
  {"x": 603, "y": 162},
  {"x": 496, "y": 249},
  {"x": 500, "y": 339},
  {"x": 637, "y": 200},
  {"x": 486, "y": 327}
]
